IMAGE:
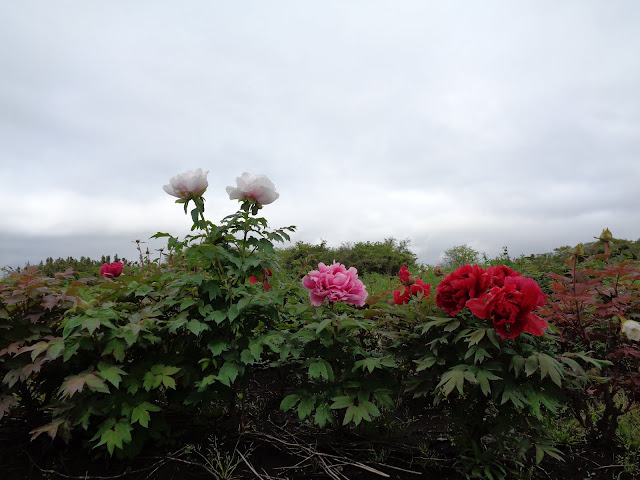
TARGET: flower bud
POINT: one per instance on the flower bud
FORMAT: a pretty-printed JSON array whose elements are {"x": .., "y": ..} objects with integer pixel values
[
  {"x": 606, "y": 235},
  {"x": 577, "y": 251},
  {"x": 437, "y": 271}
]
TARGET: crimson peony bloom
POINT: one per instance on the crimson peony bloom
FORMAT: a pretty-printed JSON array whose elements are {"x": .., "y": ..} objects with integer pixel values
[
  {"x": 265, "y": 279},
  {"x": 458, "y": 287},
  {"x": 405, "y": 276},
  {"x": 400, "y": 297},
  {"x": 111, "y": 270},
  {"x": 498, "y": 273},
  {"x": 188, "y": 185},
  {"x": 258, "y": 187},
  {"x": 335, "y": 283},
  {"x": 510, "y": 307}
]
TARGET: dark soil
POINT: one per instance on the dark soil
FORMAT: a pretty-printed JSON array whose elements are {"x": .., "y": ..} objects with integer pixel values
[{"x": 281, "y": 450}]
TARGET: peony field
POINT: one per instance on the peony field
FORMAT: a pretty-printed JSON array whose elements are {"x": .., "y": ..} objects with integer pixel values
[{"x": 232, "y": 353}]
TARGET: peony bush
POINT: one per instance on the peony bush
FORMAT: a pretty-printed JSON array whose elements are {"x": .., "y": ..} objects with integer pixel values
[{"x": 220, "y": 332}]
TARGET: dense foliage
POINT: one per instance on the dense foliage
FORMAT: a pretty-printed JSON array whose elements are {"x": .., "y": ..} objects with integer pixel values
[{"x": 227, "y": 329}]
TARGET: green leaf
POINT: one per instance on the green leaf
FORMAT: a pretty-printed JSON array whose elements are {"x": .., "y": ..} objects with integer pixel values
[
  {"x": 289, "y": 402},
  {"x": 305, "y": 407},
  {"x": 90, "y": 324},
  {"x": 143, "y": 290},
  {"x": 256, "y": 349},
  {"x": 531, "y": 365},
  {"x": 229, "y": 372},
  {"x": 151, "y": 381},
  {"x": 550, "y": 366},
  {"x": 322, "y": 325},
  {"x": 56, "y": 347},
  {"x": 111, "y": 373},
  {"x": 217, "y": 347},
  {"x": 370, "y": 408},
  {"x": 116, "y": 347},
  {"x": 218, "y": 316},
  {"x": 168, "y": 382},
  {"x": 476, "y": 336},
  {"x": 141, "y": 415},
  {"x": 451, "y": 327},
  {"x": 196, "y": 327},
  {"x": 425, "y": 363},
  {"x": 480, "y": 355},
  {"x": 320, "y": 368},
  {"x": 483, "y": 377},
  {"x": 450, "y": 380},
  {"x": 71, "y": 324},
  {"x": 341, "y": 402},
  {"x": 246, "y": 357},
  {"x": 369, "y": 363},
  {"x": 513, "y": 395},
  {"x": 186, "y": 303},
  {"x": 516, "y": 364},
  {"x": 323, "y": 415}
]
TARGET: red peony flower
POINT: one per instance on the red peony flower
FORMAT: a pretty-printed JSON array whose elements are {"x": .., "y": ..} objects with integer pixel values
[
  {"x": 111, "y": 270},
  {"x": 498, "y": 273},
  {"x": 458, "y": 287},
  {"x": 401, "y": 296},
  {"x": 265, "y": 279},
  {"x": 405, "y": 276},
  {"x": 404, "y": 295},
  {"x": 510, "y": 307}
]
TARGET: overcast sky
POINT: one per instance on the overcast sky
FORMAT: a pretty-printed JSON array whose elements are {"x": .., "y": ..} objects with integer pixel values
[{"x": 491, "y": 124}]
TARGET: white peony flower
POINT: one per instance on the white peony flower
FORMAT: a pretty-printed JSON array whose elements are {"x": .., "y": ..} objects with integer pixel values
[
  {"x": 258, "y": 187},
  {"x": 188, "y": 185},
  {"x": 632, "y": 330}
]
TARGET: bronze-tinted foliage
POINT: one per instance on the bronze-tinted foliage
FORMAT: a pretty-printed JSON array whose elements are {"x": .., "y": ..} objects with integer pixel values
[{"x": 588, "y": 306}]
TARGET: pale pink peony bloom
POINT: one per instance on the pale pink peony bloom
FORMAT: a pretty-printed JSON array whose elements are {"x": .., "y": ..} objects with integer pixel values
[
  {"x": 258, "y": 187},
  {"x": 632, "y": 330},
  {"x": 188, "y": 185},
  {"x": 111, "y": 270},
  {"x": 335, "y": 283}
]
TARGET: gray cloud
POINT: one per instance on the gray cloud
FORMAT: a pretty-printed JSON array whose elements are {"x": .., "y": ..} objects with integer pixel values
[{"x": 490, "y": 124}]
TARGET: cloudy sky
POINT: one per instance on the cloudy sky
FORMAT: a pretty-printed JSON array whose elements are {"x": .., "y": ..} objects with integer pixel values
[{"x": 490, "y": 124}]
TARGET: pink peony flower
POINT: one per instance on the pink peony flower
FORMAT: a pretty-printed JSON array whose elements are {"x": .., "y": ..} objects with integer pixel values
[
  {"x": 188, "y": 185},
  {"x": 258, "y": 187},
  {"x": 111, "y": 270},
  {"x": 335, "y": 283}
]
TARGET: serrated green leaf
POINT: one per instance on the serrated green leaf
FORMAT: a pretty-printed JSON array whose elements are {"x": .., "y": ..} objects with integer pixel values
[
  {"x": 196, "y": 327},
  {"x": 111, "y": 373},
  {"x": 229, "y": 372},
  {"x": 246, "y": 357},
  {"x": 323, "y": 415},
  {"x": 141, "y": 415},
  {"x": 305, "y": 407}
]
